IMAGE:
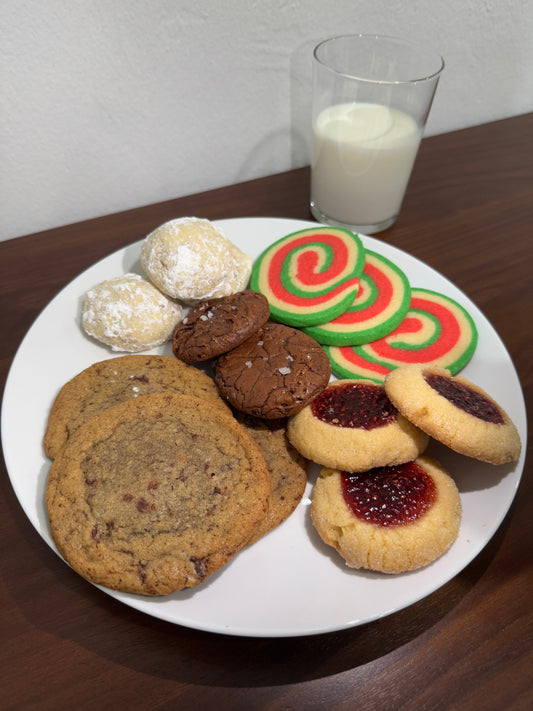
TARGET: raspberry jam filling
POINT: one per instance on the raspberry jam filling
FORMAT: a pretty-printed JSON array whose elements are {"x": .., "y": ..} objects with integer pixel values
[
  {"x": 466, "y": 399},
  {"x": 389, "y": 496},
  {"x": 354, "y": 405}
]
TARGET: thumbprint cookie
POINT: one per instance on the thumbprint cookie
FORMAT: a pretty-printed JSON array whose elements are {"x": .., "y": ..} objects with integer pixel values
[
  {"x": 389, "y": 519},
  {"x": 454, "y": 411},
  {"x": 352, "y": 425}
]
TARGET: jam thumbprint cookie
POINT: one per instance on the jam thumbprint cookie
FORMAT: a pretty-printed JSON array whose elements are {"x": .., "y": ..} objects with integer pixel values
[
  {"x": 352, "y": 425},
  {"x": 389, "y": 519},
  {"x": 454, "y": 411}
]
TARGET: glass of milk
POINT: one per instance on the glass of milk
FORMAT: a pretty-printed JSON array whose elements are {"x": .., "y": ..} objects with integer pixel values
[{"x": 371, "y": 99}]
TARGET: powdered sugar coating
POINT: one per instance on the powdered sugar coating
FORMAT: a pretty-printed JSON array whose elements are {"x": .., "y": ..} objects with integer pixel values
[
  {"x": 129, "y": 314},
  {"x": 190, "y": 259}
]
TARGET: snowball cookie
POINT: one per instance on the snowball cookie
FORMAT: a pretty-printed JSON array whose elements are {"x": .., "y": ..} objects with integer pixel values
[
  {"x": 390, "y": 519},
  {"x": 190, "y": 259},
  {"x": 129, "y": 314},
  {"x": 454, "y": 411},
  {"x": 352, "y": 425}
]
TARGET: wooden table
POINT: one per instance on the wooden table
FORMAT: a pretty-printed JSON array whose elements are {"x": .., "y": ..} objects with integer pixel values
[{"x": 66, "y": 645}]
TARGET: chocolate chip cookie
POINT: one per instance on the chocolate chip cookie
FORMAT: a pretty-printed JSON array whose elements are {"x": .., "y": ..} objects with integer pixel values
[
  {"x": 155, "y": 494},
  {"x": 287, "y": 469},
  {"x": 114, "y": 380}
]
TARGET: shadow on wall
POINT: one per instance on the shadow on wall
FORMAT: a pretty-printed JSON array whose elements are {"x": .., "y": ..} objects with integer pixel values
[{"x": 287, "y": 147}]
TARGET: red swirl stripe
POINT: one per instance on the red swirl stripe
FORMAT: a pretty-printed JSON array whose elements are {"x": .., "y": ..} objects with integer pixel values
[
  {"x": 385, "y": 291},
  {"x": 445, "y": 342},
  {"x": 306, "y": 272}
]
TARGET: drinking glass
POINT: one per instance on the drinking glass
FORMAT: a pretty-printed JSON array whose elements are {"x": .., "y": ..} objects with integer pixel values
[{"x": 371, "y": 98}]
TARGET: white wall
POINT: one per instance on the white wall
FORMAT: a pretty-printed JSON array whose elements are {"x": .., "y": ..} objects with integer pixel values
[{"x": 107, "y": 105}]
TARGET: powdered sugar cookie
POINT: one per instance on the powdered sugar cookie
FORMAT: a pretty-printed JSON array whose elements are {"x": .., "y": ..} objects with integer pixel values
[
  {"x": 190, "y": 259},
  {"x": 390, "y": 519},
  {"x": 352, "y": 425},
  {"x": 129, "y": 314},
  {"x": 454, "y": 411}
]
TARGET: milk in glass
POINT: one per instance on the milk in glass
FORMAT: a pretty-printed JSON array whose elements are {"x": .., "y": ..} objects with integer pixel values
[{"x": 362, "y": 158}]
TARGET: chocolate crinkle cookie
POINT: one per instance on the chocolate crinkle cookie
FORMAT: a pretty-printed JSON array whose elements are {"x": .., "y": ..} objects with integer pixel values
[
  {"x": 274, "y": 373},
  {"x": 216, "y": 326}
]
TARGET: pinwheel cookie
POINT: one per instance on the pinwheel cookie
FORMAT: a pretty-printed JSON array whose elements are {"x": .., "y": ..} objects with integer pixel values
[
  {"x": 435, "y": 331},
  {"x": 380, "y": 305},
  {"x": 311, "y": 276}
]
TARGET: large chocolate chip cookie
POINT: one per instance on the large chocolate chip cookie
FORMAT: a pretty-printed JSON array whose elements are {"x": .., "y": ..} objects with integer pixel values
[{"x": 154, "y": 494}]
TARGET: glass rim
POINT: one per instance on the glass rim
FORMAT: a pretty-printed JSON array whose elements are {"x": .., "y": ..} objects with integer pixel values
[{"x": 377, "y": 37}]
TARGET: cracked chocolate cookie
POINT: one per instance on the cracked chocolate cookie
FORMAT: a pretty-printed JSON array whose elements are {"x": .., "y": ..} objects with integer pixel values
[
  {"x": 114, "y": 380},
  {"x": 454, "y": 411},
  {"x": 216, "y": 326},
  {"x": 274, "y": 373},
  {"x": 156, "y": 493}
]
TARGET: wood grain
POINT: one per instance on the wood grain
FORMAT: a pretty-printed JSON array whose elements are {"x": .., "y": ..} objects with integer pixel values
[{"x": 66, "y": 645}]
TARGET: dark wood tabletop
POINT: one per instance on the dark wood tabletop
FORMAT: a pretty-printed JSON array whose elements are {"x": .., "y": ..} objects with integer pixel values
[{"x": 66, "y": 645}]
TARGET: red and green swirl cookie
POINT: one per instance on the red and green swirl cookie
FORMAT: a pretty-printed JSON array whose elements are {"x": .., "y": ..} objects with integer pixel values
[
  {"x": 435, "y": 331},
  {"x": 380, "y": 305},
  {"x": 310, "y": 276}
]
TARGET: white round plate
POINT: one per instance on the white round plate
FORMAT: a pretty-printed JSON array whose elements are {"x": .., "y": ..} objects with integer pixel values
[{"x": 289, "y": 583}]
